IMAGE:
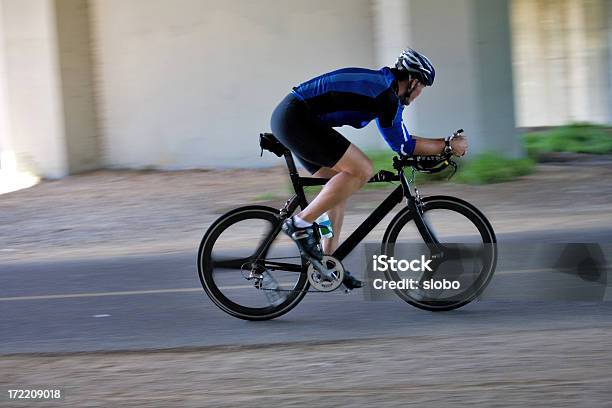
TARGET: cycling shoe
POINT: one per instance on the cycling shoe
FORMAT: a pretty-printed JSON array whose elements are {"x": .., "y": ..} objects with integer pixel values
[
  {"x": 351, "y": 282},
  {"x": 307, "y": 239}
]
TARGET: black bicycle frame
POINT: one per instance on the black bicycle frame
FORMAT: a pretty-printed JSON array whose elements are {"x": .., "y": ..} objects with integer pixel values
[{"x": 299, "y": 200}]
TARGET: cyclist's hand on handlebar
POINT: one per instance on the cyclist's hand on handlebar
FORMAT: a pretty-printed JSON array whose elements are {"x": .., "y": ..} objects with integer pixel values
[{"x": 459, "y": 144}]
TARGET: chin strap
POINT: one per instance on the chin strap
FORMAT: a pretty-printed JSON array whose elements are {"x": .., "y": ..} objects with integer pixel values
[{"x": 411, "y": 91}]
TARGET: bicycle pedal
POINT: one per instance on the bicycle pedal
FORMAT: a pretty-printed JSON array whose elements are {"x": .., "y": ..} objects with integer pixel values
[{"x": 347, "y": 291}]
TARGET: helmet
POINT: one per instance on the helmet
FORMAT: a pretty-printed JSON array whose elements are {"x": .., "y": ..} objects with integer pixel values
[{"x": 412, "y": 61}]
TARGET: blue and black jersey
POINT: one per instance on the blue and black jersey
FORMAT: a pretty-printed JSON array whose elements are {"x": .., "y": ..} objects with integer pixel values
[{"x": 355, "y": 96}]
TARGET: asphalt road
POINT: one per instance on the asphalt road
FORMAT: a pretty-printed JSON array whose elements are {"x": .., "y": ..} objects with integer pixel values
[{"x": 152, "y": 302}]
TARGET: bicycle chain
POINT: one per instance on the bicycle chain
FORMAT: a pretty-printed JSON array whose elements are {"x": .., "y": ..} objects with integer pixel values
[
  {"x": 303, "y": 291},
  {"x": 293, "y": 290}
]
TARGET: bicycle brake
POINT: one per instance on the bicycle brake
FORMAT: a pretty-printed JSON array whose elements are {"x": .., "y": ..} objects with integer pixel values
[{"x": 454, "y": 166}]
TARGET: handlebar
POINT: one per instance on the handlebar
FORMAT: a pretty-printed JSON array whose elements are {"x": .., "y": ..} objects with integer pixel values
[
  {"x": 427, "y": 164},
  {"x": 424, "y": 164}
]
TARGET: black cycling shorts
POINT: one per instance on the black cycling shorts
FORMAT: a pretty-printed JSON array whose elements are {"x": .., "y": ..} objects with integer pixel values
[{"x": 313, "y": 143}]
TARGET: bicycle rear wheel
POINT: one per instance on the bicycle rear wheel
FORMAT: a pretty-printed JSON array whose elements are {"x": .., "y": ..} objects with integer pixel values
[
  {"x": 467, "y": 241},
  {"x": 238, "y": 282}
]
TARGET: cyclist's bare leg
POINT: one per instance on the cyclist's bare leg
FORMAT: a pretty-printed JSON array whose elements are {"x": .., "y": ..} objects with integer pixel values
[
  {"x": 336, "y": 214},
  {"x": 354, "y": 169}
]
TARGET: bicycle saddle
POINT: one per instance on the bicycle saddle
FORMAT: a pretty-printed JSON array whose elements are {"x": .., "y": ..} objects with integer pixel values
[{"x": 269, "y": 142}]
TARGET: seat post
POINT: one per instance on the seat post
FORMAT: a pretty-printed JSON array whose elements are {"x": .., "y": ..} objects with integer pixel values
[
  {"x": 295, "y": 178},
  {"x": 290, "y": 163}
]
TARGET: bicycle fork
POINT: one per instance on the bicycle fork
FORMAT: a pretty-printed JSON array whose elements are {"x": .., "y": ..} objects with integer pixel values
[{"x": 413, "y": 200}]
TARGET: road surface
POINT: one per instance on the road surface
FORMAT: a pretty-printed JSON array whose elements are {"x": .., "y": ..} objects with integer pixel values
[{"x": 156, "y": 302}]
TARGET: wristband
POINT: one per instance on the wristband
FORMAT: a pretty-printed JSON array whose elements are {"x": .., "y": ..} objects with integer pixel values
[{"x": 448, "y": 149}]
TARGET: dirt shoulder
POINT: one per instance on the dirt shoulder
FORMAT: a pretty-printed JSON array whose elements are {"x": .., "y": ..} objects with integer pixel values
[
  {"x": 541, "y": 368},
  {"x": 112, "y": 213}
]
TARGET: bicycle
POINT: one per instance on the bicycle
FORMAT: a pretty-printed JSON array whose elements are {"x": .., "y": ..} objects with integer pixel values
[{"x": 231, "y": 244}]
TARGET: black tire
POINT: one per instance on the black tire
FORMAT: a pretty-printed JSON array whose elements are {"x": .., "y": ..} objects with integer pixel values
[
  {"x": 207, "y": 270},
  {"x": 483, "y": 232}
]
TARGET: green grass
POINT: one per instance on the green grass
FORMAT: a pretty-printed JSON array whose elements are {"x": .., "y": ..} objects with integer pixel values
[
  {"x": 266, "y": 196},
  {"x": 574, "y": 138},
  {"x": 381, "y": 159}
]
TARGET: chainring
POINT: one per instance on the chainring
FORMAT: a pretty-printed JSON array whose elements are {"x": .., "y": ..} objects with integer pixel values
[{"x": 323, "y": 283}]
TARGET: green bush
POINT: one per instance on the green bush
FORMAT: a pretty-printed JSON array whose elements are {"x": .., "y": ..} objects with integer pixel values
[
  {"x": 383, "y": 160},
  {"x": 574, "y": 138},
  {"x": 493, "y": 167},
  {"x": 484, "y": 168}
]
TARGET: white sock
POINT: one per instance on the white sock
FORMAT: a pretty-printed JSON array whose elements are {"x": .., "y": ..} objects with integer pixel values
[{"x": 300, "y": 223}]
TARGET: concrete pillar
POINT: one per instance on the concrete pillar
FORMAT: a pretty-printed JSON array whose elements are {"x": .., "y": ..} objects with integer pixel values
[
  {"x": 468, "y": 41},
  {"x": 5, "y": 142},
  {"x": 561, "y": 61},
  {"x": 528, "y": 60},
  {"x": 76, "y": 71},
  {"x": 391, "y": 35},
  {"x": 49, "y": 97},
  {"x": 587, "y": 60},
  {"x": 609, "y": 50},
  {"x": 578, "y": 73},
  {"x": 554, "y": 75},
  {"x": 33, "y": 86}
]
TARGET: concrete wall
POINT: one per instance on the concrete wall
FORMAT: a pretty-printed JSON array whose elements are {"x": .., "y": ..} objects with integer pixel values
[{"x": 191, "y": 83}]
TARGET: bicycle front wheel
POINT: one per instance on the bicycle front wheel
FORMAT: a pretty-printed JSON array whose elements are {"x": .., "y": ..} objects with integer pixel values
[
  {"x": 468, "y": 244},
  {"x": 241, "y": 283}
]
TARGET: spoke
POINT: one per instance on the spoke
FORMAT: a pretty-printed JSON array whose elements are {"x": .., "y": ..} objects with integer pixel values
[
  {"x": 282, "y": 266},
  {"x": 283, "y": 257},
  {"x": 264, "y": 244},
  {"x": 432, "y": 232},
  {"x": 231, "y": 263},
  {"x": 463, "y": 251},
  {"x": 239, "y": 263}
]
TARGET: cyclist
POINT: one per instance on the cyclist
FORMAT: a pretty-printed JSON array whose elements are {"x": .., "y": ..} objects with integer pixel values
[{"x": 304, "y": 122}]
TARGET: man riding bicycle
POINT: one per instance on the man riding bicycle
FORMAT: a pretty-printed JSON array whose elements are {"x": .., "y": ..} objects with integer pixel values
[{"x": 304, "y": 122}]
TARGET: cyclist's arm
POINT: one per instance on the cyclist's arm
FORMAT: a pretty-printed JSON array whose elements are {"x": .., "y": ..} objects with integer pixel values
[
  {"x": 424, "y": 146},
  {"x": 427, "y": 138},
  {"x": 404, "y": 144},
  {"x": 397, "y": 137}
]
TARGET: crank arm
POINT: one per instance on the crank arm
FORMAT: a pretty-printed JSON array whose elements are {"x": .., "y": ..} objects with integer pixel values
[{"x": 322, "y": 269}]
